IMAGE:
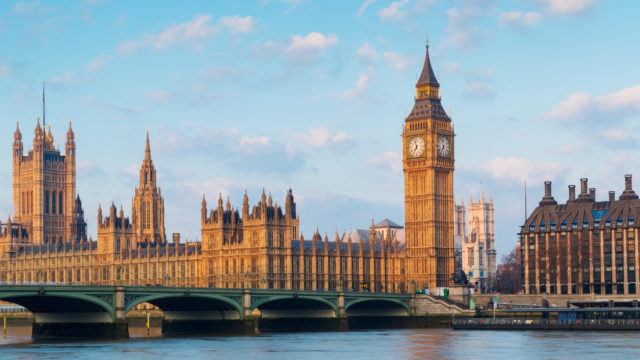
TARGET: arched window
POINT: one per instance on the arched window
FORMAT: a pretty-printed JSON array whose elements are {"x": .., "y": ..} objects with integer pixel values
[
  {"x": 46, "y": 202},
  {"x": 53, "y": 202},
  {"x": 60, "y": 206}
]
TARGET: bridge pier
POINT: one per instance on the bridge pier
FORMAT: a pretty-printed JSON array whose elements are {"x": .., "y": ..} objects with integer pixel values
[{"x": 47, "y": 331}]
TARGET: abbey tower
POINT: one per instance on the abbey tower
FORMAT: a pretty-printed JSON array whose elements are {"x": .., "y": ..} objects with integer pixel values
[
  {"x": 428, "y": 163},
  {"x": 44, "y": 188}
]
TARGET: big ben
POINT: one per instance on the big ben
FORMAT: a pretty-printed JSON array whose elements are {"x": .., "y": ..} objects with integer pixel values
[{"x": 428, "y": 164}]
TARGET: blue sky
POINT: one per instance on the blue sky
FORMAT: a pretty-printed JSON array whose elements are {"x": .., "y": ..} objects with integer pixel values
[{"x": 313, "y": 94}]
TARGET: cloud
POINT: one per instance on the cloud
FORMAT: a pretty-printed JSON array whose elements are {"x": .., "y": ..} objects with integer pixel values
[
  {"x": 96, "y": 63},
  {"x": 367, "y": 54},
  {"x": 259, "y": 154},
  {"x": 519, "y": 19},
  {"x": 578, "y": 106},
  {"x": 388, "y": 161},
  {"x": 424, "y": 4},
  {"x": 159, "y": 95},
  {"x": 397, "y": 61},
  {"x": 567, "y": 7},
  {"x": 394, "y": 12},
  {"x": 309, "y": 46},
  {"x": 462, "y": 29},
  {"x": 322, "y": 138},
  {"x": 517, "y": 170},
  {"x": 359, "y": 89},
  {"x": 5, "y": 69},
  {"x": 25, "y": 7},
  {"x": 60, "y": 81},
  {"x": 363, "y": 7},
  {"x": 318, "y": 211},
  {"x": 195, "y": 31},
  {"x": 451, "y": 66},
  {"x": 478, "y": 90},
  {"x": 237, "y": 24}
]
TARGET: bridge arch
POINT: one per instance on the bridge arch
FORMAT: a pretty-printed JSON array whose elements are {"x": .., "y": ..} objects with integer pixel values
[
  {"x": 377, "y": 307},
  {"x": 61, "y": 303},
  {"x": 295, "y": 306},
  {"x": 194, "y": 303}
]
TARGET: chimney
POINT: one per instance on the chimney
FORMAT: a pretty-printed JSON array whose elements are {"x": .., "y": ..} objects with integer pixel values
[
  {"x": 548, "y": 198},
  {"x": 176, "y": 238},
  {"x": 628, "y": 183},
  {"x": 612, "y": 196},
  {"x": 592, "y": 193},
  {"x": 572, "y": 192},
  {"x": 583, "y": 186},
  {"x": 628, "y": 193}
]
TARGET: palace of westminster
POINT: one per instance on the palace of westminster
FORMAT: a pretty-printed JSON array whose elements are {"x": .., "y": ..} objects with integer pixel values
[{"x": 258, "y": 245}]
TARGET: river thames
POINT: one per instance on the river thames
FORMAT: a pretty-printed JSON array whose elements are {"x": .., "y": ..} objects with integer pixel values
[{"x": 378, "y": 344}]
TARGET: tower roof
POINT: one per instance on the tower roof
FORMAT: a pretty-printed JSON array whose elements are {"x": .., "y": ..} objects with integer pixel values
[
  {"x": 427, "y": 77},
  {"x": 427, "y": 103},
  {"x": 147, "y": 149}
]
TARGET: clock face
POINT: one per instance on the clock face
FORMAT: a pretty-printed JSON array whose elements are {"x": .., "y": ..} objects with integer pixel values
[
  {"x": 444, "y": 148},
  {"x": 416, "y": 146}
]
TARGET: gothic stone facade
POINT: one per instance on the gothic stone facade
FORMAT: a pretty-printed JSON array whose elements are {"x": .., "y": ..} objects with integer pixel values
[
  {"x": 584, "y": 246},
  {"x": 428, "y": 163},
  {"x": 260, "y": 248},
  {"x": 478, "y": 254}
]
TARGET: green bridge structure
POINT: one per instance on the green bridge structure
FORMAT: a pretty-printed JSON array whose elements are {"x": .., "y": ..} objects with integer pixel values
[{"x": 101, "y": 311}]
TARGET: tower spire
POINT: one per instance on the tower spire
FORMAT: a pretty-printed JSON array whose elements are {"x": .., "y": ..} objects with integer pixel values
[
  {"x": 147, "y": 149},
  {"x": 44, "y": 113},
  {"x": 427, "y": 76}
]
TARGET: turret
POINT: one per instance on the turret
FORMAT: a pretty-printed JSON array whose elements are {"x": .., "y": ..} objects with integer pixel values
[
  {"x": 38, "y": 138},
  {"x": 290, "y": 205},
  {"x": 18, "y": 148},
  {"x": 71, "y": 142},
  {"x": 99, "y": 216},
  {"x": 49, "y": 139},
  {"x": 326, "y": 243},
  {"x": 203, "y": 211},
  {"x": 245, "y": 205},
  {"x": 220, "y": 209}
]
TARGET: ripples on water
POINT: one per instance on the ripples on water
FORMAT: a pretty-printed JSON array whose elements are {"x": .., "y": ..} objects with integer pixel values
[{"x": 391, "y": 344}]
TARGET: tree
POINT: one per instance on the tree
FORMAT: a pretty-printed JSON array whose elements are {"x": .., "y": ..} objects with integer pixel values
[{"x": 509, "y": 273}]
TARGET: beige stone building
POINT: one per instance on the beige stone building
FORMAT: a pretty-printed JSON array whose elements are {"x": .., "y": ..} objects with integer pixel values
[
  {"x": 257, "y": 246},
  {"x": 428, "y": 164},
  {"x": 478, "y": 254}
]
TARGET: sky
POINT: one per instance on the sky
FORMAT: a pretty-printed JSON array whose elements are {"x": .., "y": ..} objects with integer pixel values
[{"x": 312, "y": 95}]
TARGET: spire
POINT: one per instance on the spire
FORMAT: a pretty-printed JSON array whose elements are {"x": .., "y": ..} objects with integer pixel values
[
  {"x": 147, "y": 149},
  {"x": 70, "y": 134},
  {"x": 427, "y": 77},
  {"x": 44, "y": 114},
  {"x": 17, "y": 135}
]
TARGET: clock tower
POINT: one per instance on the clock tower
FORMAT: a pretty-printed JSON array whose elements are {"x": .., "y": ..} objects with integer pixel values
[{"x": 428, "y": 163}]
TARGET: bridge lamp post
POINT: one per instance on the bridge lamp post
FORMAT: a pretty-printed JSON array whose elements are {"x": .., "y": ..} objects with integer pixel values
[
  {"x": 39, "y": 276},
  {"x": 167, "y": 280}
]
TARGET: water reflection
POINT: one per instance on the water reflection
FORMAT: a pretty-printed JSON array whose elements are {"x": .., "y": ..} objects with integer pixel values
[{"x": 380, "y": 344}]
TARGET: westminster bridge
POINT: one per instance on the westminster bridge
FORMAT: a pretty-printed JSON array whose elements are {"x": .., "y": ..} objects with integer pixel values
[{"x": 101, "y": 311}]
